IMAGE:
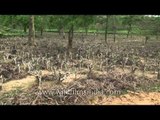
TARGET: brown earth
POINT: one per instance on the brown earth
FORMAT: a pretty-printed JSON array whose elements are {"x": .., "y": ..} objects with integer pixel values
[{"x": 142, "y": 98}]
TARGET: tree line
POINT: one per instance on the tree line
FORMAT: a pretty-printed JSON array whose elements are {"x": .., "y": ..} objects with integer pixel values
[{"x": 68, "y": 24}]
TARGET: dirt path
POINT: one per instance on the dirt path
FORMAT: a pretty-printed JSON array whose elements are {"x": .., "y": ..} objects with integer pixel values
[
  {"x": 15, "y": 84},
  {"x": 142, "y": 98},
  {"x": 23, "y": 84}
]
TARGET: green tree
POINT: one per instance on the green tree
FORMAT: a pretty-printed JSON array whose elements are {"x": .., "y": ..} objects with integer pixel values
[
  {"x": 85, "y": 21},
  {"x": 41, "y": 23},
  {"x": 129, "y": 21},
  {"x": 22, "y": 21}
]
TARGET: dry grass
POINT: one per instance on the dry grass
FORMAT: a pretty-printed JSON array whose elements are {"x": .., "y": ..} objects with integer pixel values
[
  {"x": 131, "y": 98},
  {"x": 78, "y": 76}
]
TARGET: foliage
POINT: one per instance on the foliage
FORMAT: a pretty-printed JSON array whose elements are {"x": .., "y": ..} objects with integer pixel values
[{"x": 134, "y": 24}]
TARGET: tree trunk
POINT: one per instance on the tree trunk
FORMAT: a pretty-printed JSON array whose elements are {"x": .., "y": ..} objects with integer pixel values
[
  {"x": 25, "y": 28},
  {"x": 42, "y": 25},
  {"x": 13, "y": 24},
  {"x": 70, "y": 38},
  {"x": 42, "y": 31},
  {"x": 63, "y": 33},
  {"x": 106, "y": 30},
  {"x": 97, "y": 32},
  {"x": 59, "y": 30},
  {"x": 114, "y": 29},
  {"x": 86, "y": 30},
  {"x": 146, "y": 39},
  {"x": 158, "y": 75},
  {"x": 114, "y": 36},
  {"x": 129, "y": 30},
  {"x": 128, "y": 33},
  {"x": 13, "y": 18},
  {"x": 31, "y": 37}
]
